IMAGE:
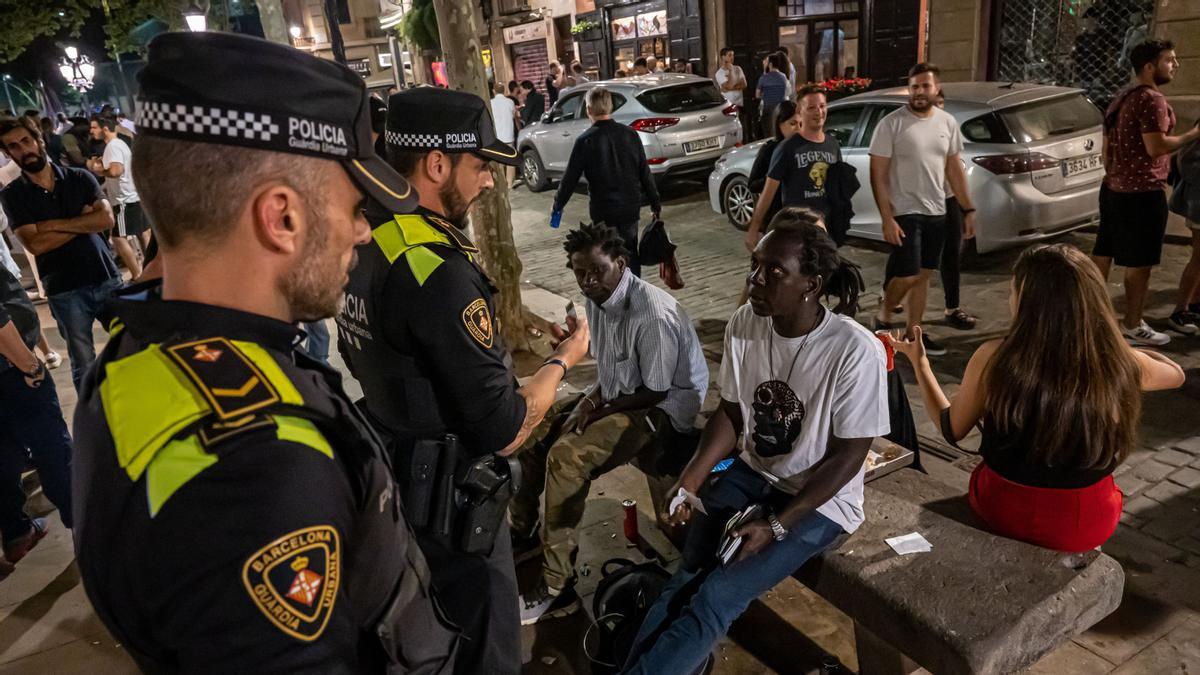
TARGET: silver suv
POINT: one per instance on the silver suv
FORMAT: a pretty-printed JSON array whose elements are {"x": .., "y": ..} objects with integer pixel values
[
  {"x": 683, "y": 121},
  {"x": 1032, "y": 157}
]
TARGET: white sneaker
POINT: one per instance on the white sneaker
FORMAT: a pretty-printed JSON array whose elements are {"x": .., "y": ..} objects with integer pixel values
[
  {"x": 53, "y": 360},
  {"x": 1144, "y": 335}
]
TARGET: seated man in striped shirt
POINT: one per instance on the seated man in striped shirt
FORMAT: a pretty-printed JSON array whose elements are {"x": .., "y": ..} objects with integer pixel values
[{"x": 651, "y": 381}]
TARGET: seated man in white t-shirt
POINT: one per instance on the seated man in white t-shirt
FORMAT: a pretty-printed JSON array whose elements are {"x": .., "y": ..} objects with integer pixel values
[{"x": 805, "y": 389}]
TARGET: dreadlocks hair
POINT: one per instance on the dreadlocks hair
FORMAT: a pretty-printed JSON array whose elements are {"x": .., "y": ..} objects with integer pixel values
[
  {"x": 819, "y": 256},
  {"x": 596, "y": 234}
]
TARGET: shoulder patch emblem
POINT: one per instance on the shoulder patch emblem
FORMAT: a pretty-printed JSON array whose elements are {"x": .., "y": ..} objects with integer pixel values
[
  {"x": 478, "y": 320},
  {"x": 294, "y": 580},
  {"x": 233, "y": 385}
]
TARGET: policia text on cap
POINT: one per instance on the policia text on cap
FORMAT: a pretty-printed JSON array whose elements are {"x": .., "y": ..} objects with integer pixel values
[
  {"x": 418, "y": 330},
  {"x": 234, "y": 512}
]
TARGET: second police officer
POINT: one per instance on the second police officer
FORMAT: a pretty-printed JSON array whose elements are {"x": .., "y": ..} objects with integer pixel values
[{"x": 418, "y": 330}]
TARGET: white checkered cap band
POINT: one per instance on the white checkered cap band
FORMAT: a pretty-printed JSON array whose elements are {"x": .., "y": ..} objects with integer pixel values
[
  {"x": 415, "y": 141},
  {"x": 206, "y": 120}
]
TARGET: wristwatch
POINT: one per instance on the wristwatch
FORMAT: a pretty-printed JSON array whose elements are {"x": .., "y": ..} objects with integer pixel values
[{"x": 777, "y": 529}]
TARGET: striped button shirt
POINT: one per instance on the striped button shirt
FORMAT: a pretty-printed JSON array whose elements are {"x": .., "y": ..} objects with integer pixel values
[{"x": 642, "y": 337}]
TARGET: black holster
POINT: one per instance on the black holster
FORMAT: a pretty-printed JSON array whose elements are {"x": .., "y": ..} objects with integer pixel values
[{"x": 455, "y": 497}]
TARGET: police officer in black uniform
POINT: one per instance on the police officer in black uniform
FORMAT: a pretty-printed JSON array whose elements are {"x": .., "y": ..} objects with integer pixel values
[
  {"x": 418, "y": 330},
  {"x": 234, "y": 512}
]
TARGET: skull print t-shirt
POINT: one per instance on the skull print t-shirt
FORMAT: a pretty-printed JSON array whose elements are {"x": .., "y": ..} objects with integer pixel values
[
  {"x": 802, "y": 167},
  {"x": 795, "y": 393}
]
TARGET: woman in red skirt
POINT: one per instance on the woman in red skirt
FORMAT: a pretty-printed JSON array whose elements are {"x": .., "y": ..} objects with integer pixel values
[{"x": 1059, "y": 402}]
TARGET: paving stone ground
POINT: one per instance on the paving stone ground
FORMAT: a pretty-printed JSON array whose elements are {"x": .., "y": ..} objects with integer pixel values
[{"x": 47, "y": 625}]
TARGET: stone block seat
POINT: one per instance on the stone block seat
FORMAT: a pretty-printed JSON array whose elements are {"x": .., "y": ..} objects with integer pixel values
[{"x": 977, "y": 603}]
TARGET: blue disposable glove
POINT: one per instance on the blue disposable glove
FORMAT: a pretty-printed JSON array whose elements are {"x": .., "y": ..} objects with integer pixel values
[{"x": 555, "y": 219}]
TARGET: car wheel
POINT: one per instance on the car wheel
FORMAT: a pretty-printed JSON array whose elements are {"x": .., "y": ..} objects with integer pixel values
[
  {"x": 533, "y": 171},
  {"x": 739, "y": 202}
]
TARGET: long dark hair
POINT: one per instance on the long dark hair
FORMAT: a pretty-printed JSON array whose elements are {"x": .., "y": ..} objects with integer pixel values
[
  {"x": 783, "y": 111},
  {"x": 1063, "y": 371},
  {"x": 819, "y": 256}
]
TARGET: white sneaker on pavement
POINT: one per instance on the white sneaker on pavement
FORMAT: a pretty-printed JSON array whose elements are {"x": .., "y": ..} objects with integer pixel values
[
  {"x": 1144, "y": 335},
  {"x": 53, "y": 360}
]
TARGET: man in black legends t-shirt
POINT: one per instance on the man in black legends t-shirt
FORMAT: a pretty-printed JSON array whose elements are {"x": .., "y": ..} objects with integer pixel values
[
  {"x": 800, "y": 165},
  {"x": 59, "y": 213}
]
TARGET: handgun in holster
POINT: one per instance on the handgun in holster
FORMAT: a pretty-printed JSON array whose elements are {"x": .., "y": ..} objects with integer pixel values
[
  {"x": 485, "y": 486},
  {"x": 428, "y": 484}
]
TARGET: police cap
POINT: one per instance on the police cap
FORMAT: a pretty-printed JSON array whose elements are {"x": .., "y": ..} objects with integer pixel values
[
  {"x": 239, "y": 90},
  {"x": 428, "y": 118}
]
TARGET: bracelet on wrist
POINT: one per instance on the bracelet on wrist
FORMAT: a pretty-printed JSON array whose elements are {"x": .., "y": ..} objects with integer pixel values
[{"x": 556, "y": 362}]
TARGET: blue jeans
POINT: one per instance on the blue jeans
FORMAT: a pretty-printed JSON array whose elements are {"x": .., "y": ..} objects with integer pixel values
[
  {"x": 31, "y": 425},
  {"x": 317, "y": 344},
  {"x": 702, "y": 599},
  {"x": 75, "y": 311}
]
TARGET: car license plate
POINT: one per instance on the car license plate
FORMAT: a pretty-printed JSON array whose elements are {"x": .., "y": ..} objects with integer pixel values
[
  {"x": 1078, "y": 165},
  {"x": 703, "y": 144}
]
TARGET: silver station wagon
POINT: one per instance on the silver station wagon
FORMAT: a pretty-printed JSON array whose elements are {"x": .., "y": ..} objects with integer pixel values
[
  {"x": 683, "y": 121},
  {"x": 1032, "y": 156}
]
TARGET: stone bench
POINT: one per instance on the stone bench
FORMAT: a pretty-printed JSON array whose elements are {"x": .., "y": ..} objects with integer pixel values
[{"x": 977, "y": 603}]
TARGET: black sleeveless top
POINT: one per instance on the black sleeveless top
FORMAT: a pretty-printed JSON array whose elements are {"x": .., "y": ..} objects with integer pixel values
[{"x": 1008, "y": 455}]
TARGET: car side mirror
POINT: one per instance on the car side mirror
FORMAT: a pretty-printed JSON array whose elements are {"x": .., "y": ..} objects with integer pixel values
[{"x": 546, "y": 118}]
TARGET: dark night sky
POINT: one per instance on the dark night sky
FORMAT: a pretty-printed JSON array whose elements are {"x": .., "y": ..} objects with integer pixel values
[{"x": 40, "y": 60}]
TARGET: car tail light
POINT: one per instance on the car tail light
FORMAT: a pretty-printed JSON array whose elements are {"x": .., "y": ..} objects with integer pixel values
[
  {"x": 730, "y": 111},
  {"x": 1018, "y": 162},
  {"x": 654, "y": 161},
  {"x": 653, "y": 124}
]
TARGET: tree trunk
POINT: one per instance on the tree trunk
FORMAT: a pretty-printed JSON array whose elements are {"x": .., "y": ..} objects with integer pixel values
[
  {"x": 491, "y": 216},
  {"x": 335, "y": 31},
  {"x": 270, "y": 13}
]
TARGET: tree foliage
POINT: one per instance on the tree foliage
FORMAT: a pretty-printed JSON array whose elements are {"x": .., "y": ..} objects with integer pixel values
[
  {"x": 420, "y": 27},
  {"x": 27, "y": 20}
]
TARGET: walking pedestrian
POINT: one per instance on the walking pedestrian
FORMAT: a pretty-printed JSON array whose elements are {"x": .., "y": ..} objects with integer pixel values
[
  {"x": 732, "y": 82},
  {"x": 651, "y": 378},
  {"x": 950, "y": 267},
  {"x": 201, "y": 423},
  {"x": 533, "y": 104},
  {"x": 31, "y": 427},
  {"x": 610, "y": 155},
  {"x": 553, "y": 83},
  {"x": 914, "y": 152},
  {"x": 771, "y": 91},
  {"x": 1059, "y": 403},
  {"x": 1185, "y": 200},
  {"x": 59, "y": 215},
  {"x": 800, "y": 165},
  {"x": 1133, "y": 199},
  {"x": 114, "y": 166},
  {"x": 786, "y": 124},
  {"x": 803, "y": 394},
  {"x": 503, "y": 116}
]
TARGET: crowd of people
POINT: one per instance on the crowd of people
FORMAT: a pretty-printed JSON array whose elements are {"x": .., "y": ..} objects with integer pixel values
[{"x": 202, "y": 421}]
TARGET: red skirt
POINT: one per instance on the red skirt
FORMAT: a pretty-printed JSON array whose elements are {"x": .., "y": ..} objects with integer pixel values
[{"x": 1068, "y": 520}]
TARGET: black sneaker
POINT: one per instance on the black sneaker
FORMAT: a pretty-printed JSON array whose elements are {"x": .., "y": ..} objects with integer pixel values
[
  {"x": 540, "y": 604},
  {"x": 1185, "y": 322},
  {"x": 960, "y": 319},
  {"x": 932, "y": 348},
  {"x": 525, "y": 548}
]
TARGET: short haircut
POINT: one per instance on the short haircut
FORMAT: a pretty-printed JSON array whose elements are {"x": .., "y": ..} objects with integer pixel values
[
  {"x": 784, "y": 50},
  {"x": 577, "y": 67},
  {"x": 922, "y": 68},
  {"x": 641, "y": 61},
  {"x": 202, "y": 205},
  {"x": 106, "y": 123},
  {"x": 726, "y": 50},
  {"x": 600, "y": 235},
  {"x": 809, "y": 89},
  {"x": 599, "y": 101},
  {"x": 1147, "y": 53},
  {"x": 8, "y": 124},
  {"x": 405, "y": 162},
  {"x": 512, "y": 84},
  {"x": 777, "y": 61},
  {"x": 527, "y": 85}
]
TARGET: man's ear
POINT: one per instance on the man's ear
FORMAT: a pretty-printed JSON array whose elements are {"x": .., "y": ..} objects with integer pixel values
[
  {"x": 437, "y": 167},
  {"x": 278, "y": 218}
]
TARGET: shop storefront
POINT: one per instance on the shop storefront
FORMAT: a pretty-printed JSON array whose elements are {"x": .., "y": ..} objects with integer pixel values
[
  {"x": 622, "y": 32},
  {"x": 528, "y": 52}
]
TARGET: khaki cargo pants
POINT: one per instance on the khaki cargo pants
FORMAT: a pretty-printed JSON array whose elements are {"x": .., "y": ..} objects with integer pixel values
[{"x": 564, "y": 471}]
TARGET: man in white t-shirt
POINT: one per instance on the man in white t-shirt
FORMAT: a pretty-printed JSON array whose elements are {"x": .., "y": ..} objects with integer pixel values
[
  {"x": 805, "y": 389},
  {"x": 732, "y": 82},
  {"x": 504, "y": 117},
  {"x": 914, "y": 153},
  {"x": 115, "y": 167}
]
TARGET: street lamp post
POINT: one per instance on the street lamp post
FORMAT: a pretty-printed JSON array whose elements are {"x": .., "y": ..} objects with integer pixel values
[
  {"x": 77, "y": 69},
  {"x": 196, "y": 18},
  {"x": 8, "y": 95}
]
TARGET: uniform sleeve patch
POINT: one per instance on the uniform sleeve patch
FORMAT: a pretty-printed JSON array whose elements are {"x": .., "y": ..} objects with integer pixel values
[
  {"x": 478, "y": 320},
  {"x": 294, "y": 580}
]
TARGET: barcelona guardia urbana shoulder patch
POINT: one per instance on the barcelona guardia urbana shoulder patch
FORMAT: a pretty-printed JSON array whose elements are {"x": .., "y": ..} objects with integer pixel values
[
  {"x": 294, "y": 580},
  {"x": 478, "y": 321}
]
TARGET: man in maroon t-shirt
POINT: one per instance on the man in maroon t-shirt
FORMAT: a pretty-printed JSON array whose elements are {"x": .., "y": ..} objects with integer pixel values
[{"x": 1133, "y": 201}]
